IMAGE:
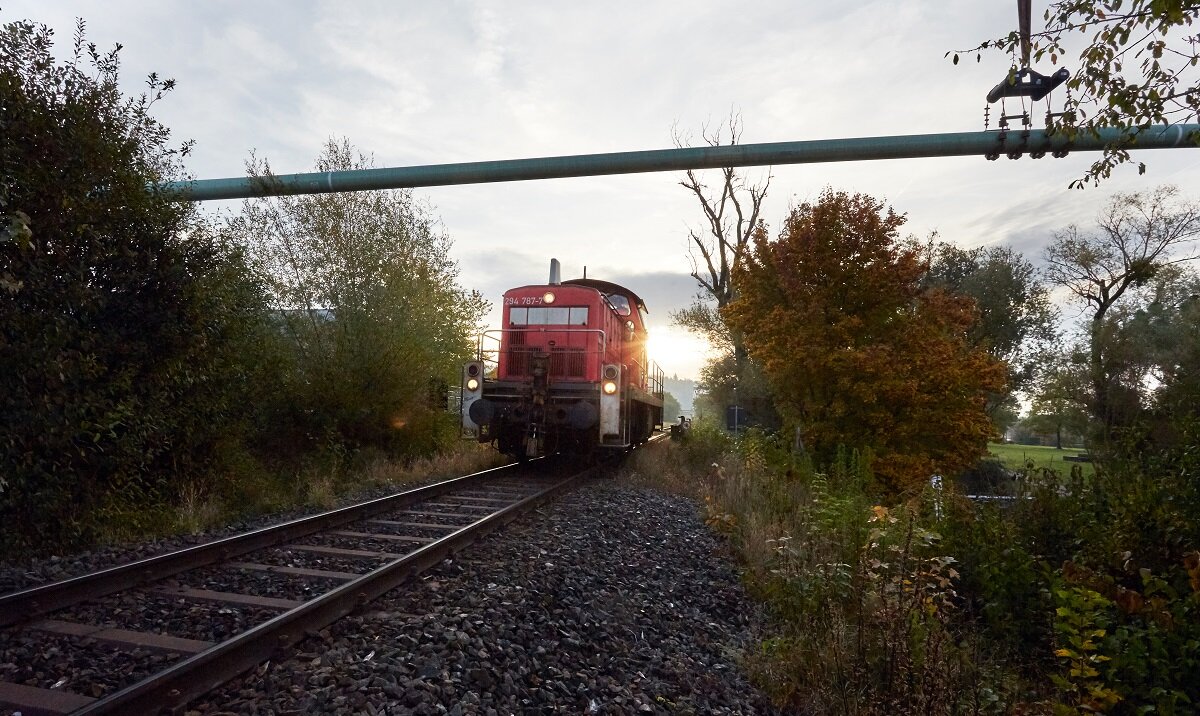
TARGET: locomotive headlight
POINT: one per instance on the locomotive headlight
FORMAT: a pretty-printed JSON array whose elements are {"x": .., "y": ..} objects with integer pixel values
[
  {"x": 610, "y": 387},
  {"x": 548, "y": 297},
  {"x": 472, "y": 384}
]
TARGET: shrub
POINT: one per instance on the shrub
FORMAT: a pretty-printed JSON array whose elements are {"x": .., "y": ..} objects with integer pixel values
[
  {"x": 123, "y": 321},
  {"x": 368, "y": 304},
  {"x": 1130, "y": 649}
]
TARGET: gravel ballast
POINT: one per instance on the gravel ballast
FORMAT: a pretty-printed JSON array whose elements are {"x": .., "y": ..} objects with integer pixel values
[
  {"x": 611, "y": 600},
  {"x": 15, "y": 576}
]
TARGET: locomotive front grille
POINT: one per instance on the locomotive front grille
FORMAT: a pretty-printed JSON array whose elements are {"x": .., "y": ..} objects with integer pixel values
[
  {"x": 567, "y": 362},
  {"x": 518, "y": 355}
]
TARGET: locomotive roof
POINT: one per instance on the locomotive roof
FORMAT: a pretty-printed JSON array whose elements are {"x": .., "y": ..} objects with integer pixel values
[{"x": 607, "y": 287}]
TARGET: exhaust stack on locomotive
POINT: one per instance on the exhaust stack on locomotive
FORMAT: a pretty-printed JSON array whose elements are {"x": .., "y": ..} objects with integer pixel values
[{"x": 566, "y": 372}]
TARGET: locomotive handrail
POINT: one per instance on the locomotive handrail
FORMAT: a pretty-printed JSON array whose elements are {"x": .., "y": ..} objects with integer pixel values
[
  {"x": 653, "y": 377},
  {"x": 496, "y": 335}
]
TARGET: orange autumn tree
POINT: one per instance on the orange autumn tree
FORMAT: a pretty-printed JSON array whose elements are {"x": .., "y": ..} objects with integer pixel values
[{"x": 857, "y": 352}]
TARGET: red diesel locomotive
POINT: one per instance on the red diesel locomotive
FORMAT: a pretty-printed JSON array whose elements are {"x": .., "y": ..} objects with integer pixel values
[{"x": 566, "y": 374}]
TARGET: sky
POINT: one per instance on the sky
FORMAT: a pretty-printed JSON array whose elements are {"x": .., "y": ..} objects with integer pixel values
[{"x": 457, "y": 81}]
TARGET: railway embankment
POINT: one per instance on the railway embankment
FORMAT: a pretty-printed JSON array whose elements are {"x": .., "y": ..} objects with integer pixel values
[{"x": 610, "y": 600}]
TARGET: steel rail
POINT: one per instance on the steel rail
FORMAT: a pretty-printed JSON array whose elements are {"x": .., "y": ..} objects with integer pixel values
[
  {"x": 987, "y": 143},
  {"x": 173, "y": 688},
  {"x": 37, "y": 601}
]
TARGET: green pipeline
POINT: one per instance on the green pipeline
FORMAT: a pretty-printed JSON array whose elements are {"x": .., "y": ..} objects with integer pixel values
[{"x": 993, "y": 144}]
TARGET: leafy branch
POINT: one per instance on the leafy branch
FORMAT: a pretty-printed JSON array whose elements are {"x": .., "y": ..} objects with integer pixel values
[{"x": 1158, "y": 85}]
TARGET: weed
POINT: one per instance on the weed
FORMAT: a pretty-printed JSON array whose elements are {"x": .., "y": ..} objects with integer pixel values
[{"x": 197, "y": 511}]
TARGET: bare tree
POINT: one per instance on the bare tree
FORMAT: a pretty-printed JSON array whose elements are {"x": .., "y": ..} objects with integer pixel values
[
  {"x": 731, "y": 216},
  {"x": 1139, "y": 234}
]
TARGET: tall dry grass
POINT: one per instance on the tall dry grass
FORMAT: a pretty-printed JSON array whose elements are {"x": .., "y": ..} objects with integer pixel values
[
  {"x": 860, "y": 597},
  {"x": 336, "y": 479}
]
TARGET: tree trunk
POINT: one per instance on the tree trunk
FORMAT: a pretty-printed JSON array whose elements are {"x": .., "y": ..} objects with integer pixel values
[{"x": 1101, "y": 398}]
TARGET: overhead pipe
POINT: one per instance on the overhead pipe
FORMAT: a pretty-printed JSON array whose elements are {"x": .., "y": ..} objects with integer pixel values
[{"x": 1011, "y": 142}]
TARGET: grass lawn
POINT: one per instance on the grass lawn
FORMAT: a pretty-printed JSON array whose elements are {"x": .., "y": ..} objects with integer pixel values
[{"x": 1015, "y": 457}]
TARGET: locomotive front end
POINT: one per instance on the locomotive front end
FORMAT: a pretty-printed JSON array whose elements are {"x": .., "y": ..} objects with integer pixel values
[
  {"x": 554, "y": 378},
  {"x": 539, "y": 388}
]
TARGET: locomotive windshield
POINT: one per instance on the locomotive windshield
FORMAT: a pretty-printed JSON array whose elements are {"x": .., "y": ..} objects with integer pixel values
[
  {"x": 620, "y": 303},
  {"x": 557, "y": 316}
]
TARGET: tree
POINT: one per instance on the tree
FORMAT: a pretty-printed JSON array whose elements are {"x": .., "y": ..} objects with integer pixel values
[
  {"x": 858, "y": 350},
  {"x": 671, "y": 408},
  {"x": 1059, "y": 397},
  {"x": 122, "y": 318},
  {"x": 1173, "y": 328},
  {"x": 1132, "y": 74},
  {"x": 749, "y": 390},
  {"x": 368, "y": 296},
  {"x": 1139, "y": 235},
  {"x": 1016, "y": 319},
  {"x": 731, "y": 216},
  {"x": 1171, "y": 319},
  {"x": 1151, "y": 351}
]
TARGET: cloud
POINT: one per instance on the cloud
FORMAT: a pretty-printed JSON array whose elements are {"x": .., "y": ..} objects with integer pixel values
[
  {"x": 663, "y": 291},
  {"x": 477, "y": 80}
]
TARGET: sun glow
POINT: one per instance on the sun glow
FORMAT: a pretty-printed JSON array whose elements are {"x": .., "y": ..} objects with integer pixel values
[{"x": 677, "y": 351}]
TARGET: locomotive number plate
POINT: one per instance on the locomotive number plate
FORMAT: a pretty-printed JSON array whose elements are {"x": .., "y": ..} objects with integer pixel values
[{"x": 522, "y": 300}]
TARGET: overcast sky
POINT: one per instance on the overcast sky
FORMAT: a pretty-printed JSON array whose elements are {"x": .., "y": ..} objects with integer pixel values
[{"x": 427, "y": 83}]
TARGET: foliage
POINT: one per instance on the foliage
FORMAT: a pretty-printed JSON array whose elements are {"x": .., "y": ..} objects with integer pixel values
[
  {"x": 1139, "y": 238},
  {"x": 1081, "y": 623},
  {"x": 1017, "y": 322},
  {"x": 1090, "y": 582},
  {"x": 1132, "y": 73},
  {"x": 671, "y": 408},
  {"x": 861, "y": 597},
  {"x": 1169, "y": 326},
  {"x": 1081, "y": 594},
  {"x": 989, "y": 476},
  {"x": 368, "y": 300},
  {"x": 889, "y": 648},
  {"x": 1058, "y": 399},
  {"x": 123, "y": 320},
  {"x": 857, "y": 350},
  {"x": 1128, "y": 642},
  {"x": 1151, "y": 351},
  {"x": 724, "y": 386}
]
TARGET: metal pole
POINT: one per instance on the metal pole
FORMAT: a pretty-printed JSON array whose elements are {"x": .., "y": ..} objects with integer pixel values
[{"x": 992, "y": 144}]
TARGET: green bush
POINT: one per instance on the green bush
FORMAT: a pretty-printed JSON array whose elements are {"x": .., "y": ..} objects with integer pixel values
[
  {"x": 1128, "y": 649},
  {"x": 861, "y": 597},
  {"x": 367, "y": 301},
  {"x": 1066, "y": 583},
  {"x": 1081, "y": 594},
  {"x": 123, "y": 321},
  {"x": 1004, "y": 584},
  {"x": 158, "y": 370}
]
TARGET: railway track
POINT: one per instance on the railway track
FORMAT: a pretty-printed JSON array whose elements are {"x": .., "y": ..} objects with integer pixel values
[{"x": 372, "y": 547}]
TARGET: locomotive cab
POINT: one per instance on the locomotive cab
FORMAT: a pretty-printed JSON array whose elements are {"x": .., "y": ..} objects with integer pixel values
[{"x": 567, "y": 372}]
